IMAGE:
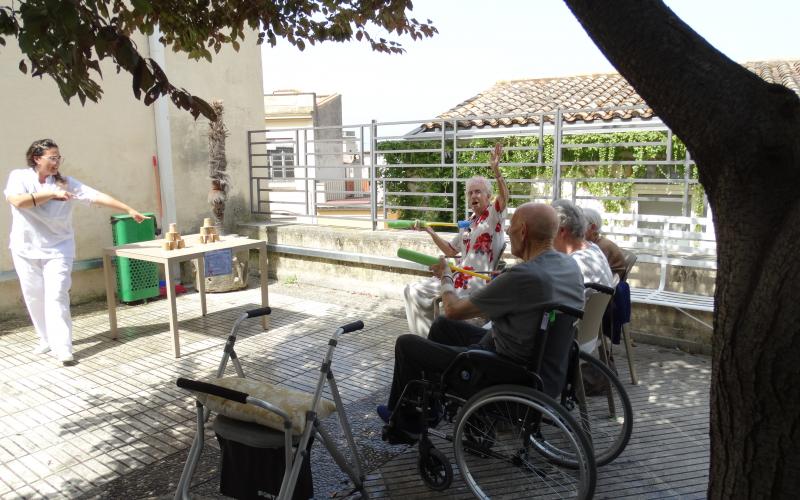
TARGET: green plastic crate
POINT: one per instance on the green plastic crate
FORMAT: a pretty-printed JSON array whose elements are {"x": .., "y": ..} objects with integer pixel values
[{"x": 136, "y": 279}]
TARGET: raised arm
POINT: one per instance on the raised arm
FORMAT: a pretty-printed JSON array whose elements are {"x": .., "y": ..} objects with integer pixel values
[
  {"x": 110, "y": 202},
  {"x": 502, "y": 188}
]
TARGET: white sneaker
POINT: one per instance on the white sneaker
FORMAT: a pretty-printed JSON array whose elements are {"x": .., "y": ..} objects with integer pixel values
[
  {"x": 42, "y": 348},
  {"x": 66, "y": 358}
]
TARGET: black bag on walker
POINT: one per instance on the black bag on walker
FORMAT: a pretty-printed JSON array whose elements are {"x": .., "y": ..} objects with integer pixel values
[{"x": 253, "y": 461}]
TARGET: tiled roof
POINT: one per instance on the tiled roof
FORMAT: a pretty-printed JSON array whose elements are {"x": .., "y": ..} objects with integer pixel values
[{"x": 523, "y": 100}]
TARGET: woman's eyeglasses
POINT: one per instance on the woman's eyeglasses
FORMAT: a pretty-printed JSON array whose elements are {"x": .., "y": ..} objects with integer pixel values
[{"x": 55, "y": 158}]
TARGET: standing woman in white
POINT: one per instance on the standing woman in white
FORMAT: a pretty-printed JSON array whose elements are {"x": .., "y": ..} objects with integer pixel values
[{"x": 42, "y": 241}]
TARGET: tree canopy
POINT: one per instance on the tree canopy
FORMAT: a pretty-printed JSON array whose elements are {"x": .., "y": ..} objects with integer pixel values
[{"x": 67, "y": 39}]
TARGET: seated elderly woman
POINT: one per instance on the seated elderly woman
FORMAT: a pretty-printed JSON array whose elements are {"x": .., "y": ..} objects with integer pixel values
[
  {"x": 619, "y": 312},
  {"x": 571, "y": 240},
  {"x": 479, "y": 247},
  {"x": 615, "y": 257}
]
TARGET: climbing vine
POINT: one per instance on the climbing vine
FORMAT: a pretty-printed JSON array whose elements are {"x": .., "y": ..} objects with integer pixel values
[{"x": 606, "y": 166}]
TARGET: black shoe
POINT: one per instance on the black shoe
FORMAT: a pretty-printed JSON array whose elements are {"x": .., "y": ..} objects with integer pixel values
[{"x": 394, "y": 436}]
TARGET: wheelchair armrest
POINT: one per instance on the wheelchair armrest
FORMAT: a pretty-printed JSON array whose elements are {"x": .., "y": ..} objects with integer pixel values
[
  {"x": 600, "y": 288},
  {"x": 477, "y": 369}
]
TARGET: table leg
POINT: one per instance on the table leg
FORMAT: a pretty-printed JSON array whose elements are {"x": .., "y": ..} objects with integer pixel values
[
  {"x": 111, "y": 298},
  {"x": 173, "y": 313},
  {"x": 201, "y": 281},
  {"x": 262, "y": 268}
]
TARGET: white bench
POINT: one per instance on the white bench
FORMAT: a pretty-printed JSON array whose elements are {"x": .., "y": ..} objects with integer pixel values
[{"x": 667, "y": 241}]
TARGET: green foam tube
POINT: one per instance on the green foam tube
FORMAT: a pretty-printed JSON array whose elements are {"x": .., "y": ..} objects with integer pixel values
[
  {"x": 427, "y": 260},
  {"x": 419, "y": 258},
  {"x": 400, "y": 224}
]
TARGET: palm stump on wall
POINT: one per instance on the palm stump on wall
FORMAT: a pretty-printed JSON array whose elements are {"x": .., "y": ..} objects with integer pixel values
[{"x": 217, "y": 197}]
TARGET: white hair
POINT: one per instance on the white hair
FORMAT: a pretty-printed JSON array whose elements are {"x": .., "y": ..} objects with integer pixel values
[
  {"x": 593, "y": 217},
  {"x": 570, "y": 217},
  {"x": 485, "y": 183}
]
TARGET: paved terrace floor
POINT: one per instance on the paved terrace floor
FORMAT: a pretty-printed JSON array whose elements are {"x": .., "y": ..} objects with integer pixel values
[{"x": 115, "y": 426}]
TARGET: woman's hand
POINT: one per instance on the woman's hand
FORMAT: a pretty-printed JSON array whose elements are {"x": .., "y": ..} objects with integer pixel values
[
  {"x": 137, "y": 216},
  {"x": 61, "y": 195},
  {"x": 421, "y": 226},
  {"x": 442, "y": 269},
  {"x": 494, "y": 161}
]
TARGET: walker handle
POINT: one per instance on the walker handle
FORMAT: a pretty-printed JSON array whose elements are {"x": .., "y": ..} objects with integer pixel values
[
  {"x": 351, "y": 327},
  {"x": 261, "y": 311},
  {"x": 214, "y": 390}
]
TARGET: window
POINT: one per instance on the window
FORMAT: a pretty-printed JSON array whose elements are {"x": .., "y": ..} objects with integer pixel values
[{"x": 280, "y": 159}]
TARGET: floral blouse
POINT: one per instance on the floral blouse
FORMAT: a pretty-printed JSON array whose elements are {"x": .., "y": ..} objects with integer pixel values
[{"x": 480, "y": 246}]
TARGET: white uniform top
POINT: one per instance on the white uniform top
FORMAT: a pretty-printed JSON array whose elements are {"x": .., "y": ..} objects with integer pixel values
[{"x": 44, "y": 231}]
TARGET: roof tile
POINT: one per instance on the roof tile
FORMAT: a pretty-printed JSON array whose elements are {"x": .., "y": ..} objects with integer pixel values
[{"x": 524, "y": 100}]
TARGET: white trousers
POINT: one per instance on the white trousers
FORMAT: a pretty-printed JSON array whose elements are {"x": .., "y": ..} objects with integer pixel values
[
  {"x": 45, "y": 286},
  {"x": 419, "y": 305}
]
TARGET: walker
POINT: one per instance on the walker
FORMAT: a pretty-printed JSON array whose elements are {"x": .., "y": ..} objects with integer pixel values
[{"x": 268, "y": 424}]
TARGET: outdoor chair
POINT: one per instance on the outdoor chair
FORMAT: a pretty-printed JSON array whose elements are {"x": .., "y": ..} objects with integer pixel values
[{"x": 589, "y": 329}]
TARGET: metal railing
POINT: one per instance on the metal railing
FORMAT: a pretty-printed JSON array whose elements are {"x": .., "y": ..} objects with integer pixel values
[{"x": 367, "y": 174}]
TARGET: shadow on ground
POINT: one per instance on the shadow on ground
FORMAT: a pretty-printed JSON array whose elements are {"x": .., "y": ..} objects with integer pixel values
[{"x": 160, "y": 479}]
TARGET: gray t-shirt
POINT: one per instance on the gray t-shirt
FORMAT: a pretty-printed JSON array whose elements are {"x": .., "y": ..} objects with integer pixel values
[{"x": 514, "y": 301}]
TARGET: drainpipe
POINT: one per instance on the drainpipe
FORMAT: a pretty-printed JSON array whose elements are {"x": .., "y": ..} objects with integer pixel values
[{"x": 163, "y": 143}]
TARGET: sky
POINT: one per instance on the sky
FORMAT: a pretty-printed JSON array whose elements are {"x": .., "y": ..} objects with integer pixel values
[{"x": 481, "y": 42}]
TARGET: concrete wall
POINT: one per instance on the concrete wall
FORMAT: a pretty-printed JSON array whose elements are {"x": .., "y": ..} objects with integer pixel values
[
  {"x": 653, "y": 324},
  {"x": 110, "y": 145},
  {"x": 328, "y": 150}
]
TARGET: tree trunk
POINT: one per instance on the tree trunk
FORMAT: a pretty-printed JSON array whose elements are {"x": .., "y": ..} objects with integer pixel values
[{"x": 743, "y": 133}]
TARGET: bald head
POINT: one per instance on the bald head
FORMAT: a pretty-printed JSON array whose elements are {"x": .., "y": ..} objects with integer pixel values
[{"x": 533, "y": 227}]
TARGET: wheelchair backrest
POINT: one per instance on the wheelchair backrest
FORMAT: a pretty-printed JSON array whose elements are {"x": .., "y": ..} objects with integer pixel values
[
  {"x": 554, "y": 361},
  {"x": 476, "y": 369}
]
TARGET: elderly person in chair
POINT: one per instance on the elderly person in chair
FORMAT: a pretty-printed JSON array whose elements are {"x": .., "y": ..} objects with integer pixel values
[
  {"x": 479, "y": 246},
  {"x": 571, "y": 240},
  {"x": 616, "y": 260},
  {"x": 514, "y": 301}
]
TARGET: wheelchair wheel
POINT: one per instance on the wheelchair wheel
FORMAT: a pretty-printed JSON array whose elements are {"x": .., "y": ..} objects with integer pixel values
[
  {"x": 480, "y": 431},
  {"x": 435, "y": 470},
  {"x": 607, "y": 415},
  {"x": 504, "y": 463}
]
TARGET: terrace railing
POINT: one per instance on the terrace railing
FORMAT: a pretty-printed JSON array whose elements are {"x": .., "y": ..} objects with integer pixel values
[{"x": 369, "y": 173}]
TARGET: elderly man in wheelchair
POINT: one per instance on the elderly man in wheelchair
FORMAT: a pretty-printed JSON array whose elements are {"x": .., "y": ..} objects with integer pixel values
[{"x": 513, "y": 438}]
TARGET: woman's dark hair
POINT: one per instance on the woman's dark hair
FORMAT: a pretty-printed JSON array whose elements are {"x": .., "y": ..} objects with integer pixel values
[{"x": 38, "y": 148}]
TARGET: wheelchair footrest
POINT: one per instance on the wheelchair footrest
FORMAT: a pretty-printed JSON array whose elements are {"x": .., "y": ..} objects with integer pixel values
[{"x": 395, "y": 436}]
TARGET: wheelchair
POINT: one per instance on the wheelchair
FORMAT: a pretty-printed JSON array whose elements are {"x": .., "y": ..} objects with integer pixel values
[{"x": 510, "y": 439}]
